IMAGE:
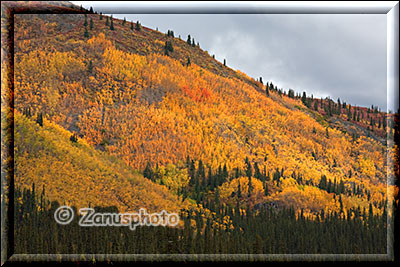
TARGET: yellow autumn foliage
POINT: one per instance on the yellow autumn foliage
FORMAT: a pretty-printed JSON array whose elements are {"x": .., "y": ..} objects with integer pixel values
[{"x": 138, "y": 105}]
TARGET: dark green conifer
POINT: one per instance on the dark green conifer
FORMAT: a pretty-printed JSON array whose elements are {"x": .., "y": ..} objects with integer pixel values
[
  {"x": 39, "y": 118},
  {"x": 112, "y": 24},
  {"x": 90, "y": 66},
  {"x": 138, "y": 26}
]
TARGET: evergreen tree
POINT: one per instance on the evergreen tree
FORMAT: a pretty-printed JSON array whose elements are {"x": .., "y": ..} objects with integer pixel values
[
  {"x": 90, "y": 67},
  {"x": 192, "y": 172},
  {"x": 257, "y": 173},
  {"x": 250, "y": 187},
  {"x": 239, "y": 191},
  {"x": 210, "y": 177},
  {"x": 168, "y": 47},
  {"x": 316, "y": 105},
  {"x": 266, "y": 192},
  {"x": 271, "y": 86},
  {"x": 189, "y": 40},
  {"x": 276, "y": 176},
  {"x": 217, "y": 196},
  {"x": 323, "y": 183},
  {"x": 86, "y": 34},
  {"x": 329, "y": 108},
  {"x": 148, "y": 173},
  {"x": 39, "y": 119},
  {"x": 237, "y": 172},
  {"x": 249, "y": 171},
  {"x": 74, "y": 138},
  {"x": 370, "y": 211},
  {"x": 304, "y": 99},
  {"x": 200, "y": 171},
  {"x": 329, "y": 187},
  {"x": 291, "y": 93},
  {"x": 112, "y": 24},
  {"x": 138, "y": 26},
  {"x": 224, "y": 174},
  {"x": 341, "y": 187},
  {"x": 27, "y": 112},
  {"x": 91, "y": 24}
]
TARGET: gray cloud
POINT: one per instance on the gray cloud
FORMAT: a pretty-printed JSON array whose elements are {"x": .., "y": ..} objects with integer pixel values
[{"x": 341, "y": 56}]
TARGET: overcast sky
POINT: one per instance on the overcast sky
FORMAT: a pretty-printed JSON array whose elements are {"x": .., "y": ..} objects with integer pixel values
[{"x": 336, "y": 55}]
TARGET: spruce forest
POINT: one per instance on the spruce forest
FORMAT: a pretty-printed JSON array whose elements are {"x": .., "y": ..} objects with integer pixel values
[{"x": 114, "y": 115}]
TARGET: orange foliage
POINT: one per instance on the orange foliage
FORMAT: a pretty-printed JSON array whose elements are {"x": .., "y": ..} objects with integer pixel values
[{"x": 140, "y": 106}]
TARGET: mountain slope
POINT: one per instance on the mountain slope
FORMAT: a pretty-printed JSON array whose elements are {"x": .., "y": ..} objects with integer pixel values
[
  {"x": 120, "y": 92},
  {"x": 77, "y": 175}
]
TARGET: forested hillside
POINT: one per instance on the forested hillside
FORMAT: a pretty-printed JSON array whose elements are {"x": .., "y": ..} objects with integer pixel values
[
  {"x": 156, "y": 101},
  {"x": 110, "y": 113},
  {"x": 74, "y": 173}
]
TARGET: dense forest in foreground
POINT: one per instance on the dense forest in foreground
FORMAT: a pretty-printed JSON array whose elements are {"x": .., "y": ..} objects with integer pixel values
[{"x": 268, "y": 231}]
